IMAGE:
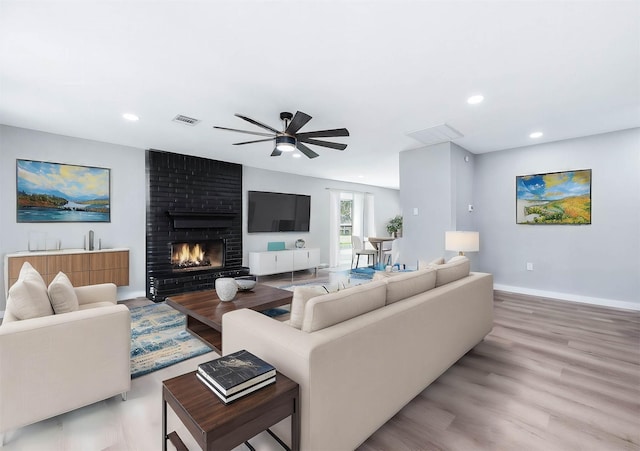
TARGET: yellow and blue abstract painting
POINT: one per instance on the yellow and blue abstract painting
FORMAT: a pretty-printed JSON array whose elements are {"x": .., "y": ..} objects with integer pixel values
[{"x": 554, "y": 198}]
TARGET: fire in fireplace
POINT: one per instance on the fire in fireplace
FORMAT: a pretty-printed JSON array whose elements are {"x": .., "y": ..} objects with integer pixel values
[{"x": 196, "y": 256}]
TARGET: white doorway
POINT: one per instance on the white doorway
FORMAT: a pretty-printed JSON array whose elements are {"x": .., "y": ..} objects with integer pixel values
[{"x": 351, "y": 214}]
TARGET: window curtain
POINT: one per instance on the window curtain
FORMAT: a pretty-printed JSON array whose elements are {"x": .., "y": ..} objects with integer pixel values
[
  {"x": 334, "y": 228},
  {"x": 369, "y": 219},
  {"x": 357, "y": 215}
]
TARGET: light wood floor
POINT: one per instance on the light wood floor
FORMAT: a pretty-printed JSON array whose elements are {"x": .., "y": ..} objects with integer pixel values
[{"x": 551, "y": 375}]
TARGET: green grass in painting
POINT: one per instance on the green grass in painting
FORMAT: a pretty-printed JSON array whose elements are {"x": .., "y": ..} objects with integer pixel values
[{"x": 570, "y": 210}]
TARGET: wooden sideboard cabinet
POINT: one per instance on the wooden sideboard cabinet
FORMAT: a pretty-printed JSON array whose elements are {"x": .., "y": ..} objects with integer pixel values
[{"x": 82, "y": 267}]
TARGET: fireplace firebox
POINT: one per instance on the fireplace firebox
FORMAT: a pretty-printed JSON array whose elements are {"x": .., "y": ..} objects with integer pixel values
[{"x": 197, "y": 255}]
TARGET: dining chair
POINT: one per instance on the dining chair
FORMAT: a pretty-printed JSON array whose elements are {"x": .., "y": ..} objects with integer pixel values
[
  {"x": 358, "y": 249},
  {"x": 390, "y": 256}
]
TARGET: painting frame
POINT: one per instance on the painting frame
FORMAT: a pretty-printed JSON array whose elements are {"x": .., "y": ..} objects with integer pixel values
[
  {"x": 62, "y": 192},
  {"x": 554, "y": 198}
]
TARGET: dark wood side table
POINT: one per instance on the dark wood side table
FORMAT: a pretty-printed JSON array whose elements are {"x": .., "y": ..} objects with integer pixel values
[{"x": 215, "y": 425}]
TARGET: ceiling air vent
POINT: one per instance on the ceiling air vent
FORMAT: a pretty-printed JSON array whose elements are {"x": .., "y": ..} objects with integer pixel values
[
  {"x": 186, "y": 120},
  {"x": 437, "y": 134}
]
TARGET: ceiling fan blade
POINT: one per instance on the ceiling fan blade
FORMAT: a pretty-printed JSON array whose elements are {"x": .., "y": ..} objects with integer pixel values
[
  {"x": 298, "y": 121},
  {"x": 324, "y": 133},
  {"x": 276, "y": 152},
  {"x": 338, "y": 146},
  {"x": 259, "y": 124},
  {"x": 251, "y": 142},
  {"x": 305, "y": 150},
  {"x": 243, "y": 131}
]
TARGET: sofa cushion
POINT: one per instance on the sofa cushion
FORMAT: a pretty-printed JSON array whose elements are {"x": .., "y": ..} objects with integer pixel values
[
  {"x": 408, "y": 284},
  {"x": 300, "y": 297},
  {"x": 28, "y": 297},
  {"x": 62, "y": 295},
  {"x": 329, "y": 309},
  {"x": 456, "y": 268}
]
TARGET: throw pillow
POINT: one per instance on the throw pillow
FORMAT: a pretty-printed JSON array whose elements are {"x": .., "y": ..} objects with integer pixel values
[
  {"x": 457, "y": 258},
  {"x": 334, "y": 308},
  {"x": 28, "y": 297},
  {"x": 456, "y": 268},
  {"x": 300, "y": 297},
  {"x": 433, "y": 263},
  {"x": 29, "y": 272},
  {"x": 409, "y": 284},
  {"x": 63, "y": 296}
]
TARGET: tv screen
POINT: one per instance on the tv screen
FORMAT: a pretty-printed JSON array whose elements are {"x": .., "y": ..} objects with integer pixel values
[{"x": 278, "y": 212}]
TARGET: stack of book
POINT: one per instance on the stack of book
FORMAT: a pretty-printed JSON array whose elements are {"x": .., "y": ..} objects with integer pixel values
[{"x": 236, "y": 375}]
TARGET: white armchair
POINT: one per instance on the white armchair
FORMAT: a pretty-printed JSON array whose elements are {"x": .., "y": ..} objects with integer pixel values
[{"x": 53, "y": 364}]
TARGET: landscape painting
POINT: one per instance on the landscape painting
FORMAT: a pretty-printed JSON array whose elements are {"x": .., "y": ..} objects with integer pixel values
[
  {"x": 554, "y": 198},
  {"x": 54, "y": 192}
]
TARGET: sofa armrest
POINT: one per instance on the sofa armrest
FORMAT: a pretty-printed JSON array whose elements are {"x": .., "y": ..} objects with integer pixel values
[
  {"x": 102, "y": 292},
  {"x": 54, "y": 364},
  {"x": 265, "y": 337},
  {"x": 288, "y": 349}
]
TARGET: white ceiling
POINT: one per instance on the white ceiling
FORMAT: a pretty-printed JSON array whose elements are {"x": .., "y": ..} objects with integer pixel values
[{"x": 382, "y": 69}]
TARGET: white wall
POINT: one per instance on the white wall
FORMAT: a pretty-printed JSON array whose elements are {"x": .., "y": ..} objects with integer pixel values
[
  {"x": 597, "y": 263},
  {"x": 387, "y": 205},
  {"x": 127, "y": 226},
  {"x": 438, "y": 182},
  {"x": 128, "y": 197}
]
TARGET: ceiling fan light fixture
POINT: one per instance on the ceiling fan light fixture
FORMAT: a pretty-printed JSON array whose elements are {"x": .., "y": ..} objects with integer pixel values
[{"x": 285, "y": 143}]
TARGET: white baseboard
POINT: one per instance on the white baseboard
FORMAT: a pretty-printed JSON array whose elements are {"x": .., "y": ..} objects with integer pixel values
[{"x": 626, "y": 305}]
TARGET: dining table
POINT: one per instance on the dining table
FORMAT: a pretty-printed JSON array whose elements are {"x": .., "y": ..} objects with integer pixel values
[{"x": 377, "y": 243}]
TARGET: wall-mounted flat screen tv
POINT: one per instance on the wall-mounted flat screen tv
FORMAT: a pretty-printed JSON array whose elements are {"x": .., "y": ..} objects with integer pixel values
[{"x": 278, "y": 212}]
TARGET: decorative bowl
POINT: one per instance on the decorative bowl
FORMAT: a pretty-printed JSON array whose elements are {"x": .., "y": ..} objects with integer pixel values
[{"x": 245, "y": 283}]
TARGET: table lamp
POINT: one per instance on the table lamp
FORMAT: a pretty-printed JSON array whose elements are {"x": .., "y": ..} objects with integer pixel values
[{"x": 462, "y": 241}]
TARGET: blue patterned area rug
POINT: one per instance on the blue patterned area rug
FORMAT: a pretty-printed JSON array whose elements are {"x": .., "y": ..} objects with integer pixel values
[{"x": 159, "y": 339}]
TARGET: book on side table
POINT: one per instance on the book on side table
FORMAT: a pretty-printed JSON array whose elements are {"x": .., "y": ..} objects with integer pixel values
[{"x": 236, "y": 375}]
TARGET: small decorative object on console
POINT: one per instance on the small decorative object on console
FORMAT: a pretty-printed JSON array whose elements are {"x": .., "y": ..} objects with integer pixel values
[
  {"x": 300, "y": 243},
  {"x": 226, "y": 288}
]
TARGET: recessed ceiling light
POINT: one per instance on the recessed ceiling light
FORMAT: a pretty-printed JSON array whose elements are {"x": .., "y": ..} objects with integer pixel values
[
  {"x": 130, "y": 117},
  {"x": 473, "y": 100},
  {"x": 535, "y": 135},
  {"x": 296, "y": 155}
]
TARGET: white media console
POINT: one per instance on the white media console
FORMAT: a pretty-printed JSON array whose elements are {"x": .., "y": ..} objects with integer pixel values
[{"x": 288, "y": 260}]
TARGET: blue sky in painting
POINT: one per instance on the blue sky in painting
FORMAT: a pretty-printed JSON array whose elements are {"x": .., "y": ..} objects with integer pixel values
[
  {"x": 554, "y": 186},
  {"x": 77, "y": 183}
]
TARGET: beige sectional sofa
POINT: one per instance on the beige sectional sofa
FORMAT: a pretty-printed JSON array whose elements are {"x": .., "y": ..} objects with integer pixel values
[
  {"x": 61, "y": 348},
  {"x": 362, "y": 353}
]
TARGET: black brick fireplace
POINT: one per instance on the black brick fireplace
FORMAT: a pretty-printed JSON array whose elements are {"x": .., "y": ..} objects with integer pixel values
[{"x": 194, "y": 223}]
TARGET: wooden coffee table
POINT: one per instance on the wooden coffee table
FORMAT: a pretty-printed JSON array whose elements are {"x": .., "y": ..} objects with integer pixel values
[
  {"x": 215, "y": 425},
  {"x": 204, "y": 310}
]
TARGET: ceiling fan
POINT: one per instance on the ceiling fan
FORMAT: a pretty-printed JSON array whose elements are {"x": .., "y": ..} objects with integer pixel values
[{"x": 288, "y": 139}]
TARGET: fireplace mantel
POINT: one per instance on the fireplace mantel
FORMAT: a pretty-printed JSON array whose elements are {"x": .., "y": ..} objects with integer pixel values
[{"x": 201, "y": 219}]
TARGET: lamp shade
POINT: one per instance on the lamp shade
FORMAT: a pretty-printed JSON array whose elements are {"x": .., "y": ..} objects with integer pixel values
[{"x": 462, "y": 241}]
